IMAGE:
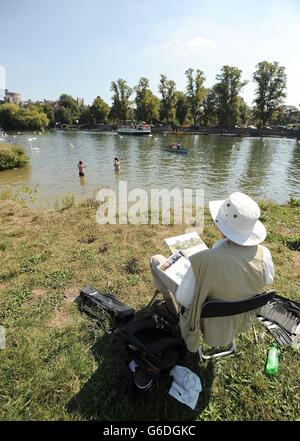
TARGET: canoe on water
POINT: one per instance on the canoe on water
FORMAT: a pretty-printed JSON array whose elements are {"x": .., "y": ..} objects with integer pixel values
[
  {"x": 176, "y": 148},
  {"x": 177, "y": 151}
]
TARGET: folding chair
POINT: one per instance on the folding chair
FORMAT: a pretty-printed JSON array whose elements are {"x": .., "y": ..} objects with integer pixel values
[
  {"x": 156, "y": 293},
  {"x": 218, "y": 308}
]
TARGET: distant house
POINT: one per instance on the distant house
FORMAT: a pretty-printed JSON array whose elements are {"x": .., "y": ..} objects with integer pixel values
[
  {"x": 12, "y": 97},
  {"x": 39, "y": 103}
]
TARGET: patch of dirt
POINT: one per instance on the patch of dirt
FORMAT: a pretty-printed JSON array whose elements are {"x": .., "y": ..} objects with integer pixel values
[
  {"x": 3, "y": 285},
  {"x": 284, "y": 231},
  {"x": 71, "y": 293},
  {"x": 36, "y": 294},
  {"x": 296, "y": 267},
  {"x": 59, "y": 319}
]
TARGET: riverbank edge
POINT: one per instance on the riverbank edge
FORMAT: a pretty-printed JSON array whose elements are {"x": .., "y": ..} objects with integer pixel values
[{"x": 204, "y": 131}]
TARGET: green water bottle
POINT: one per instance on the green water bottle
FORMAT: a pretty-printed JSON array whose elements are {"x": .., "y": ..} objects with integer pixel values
[{"x": 272, "y": 360}]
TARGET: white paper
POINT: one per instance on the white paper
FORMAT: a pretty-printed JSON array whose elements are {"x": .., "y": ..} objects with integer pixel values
[
  {"x": 178, "y": 267},
  {"x": 189, "y": 243}
]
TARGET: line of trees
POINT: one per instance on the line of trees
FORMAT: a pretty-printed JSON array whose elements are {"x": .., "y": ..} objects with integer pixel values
[{"x": 221, "y": 104}]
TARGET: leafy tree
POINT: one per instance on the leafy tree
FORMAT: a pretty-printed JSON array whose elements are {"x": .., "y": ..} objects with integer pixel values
[
  {"x": 196, "y": 93},
  {"x": 64, "y": 115},
  {"x": 245, "y": 112},
  {"x": 227, "y": 90},
  {"x": 69, "y": 102},
  {"x": 287, "y": 115},
  {"x": 33, "y": 119},
  {"x": 13, "y": 117},
  {"x": 167, "y": 89},
  {"x": 147, "y": 104},
  {"x": 87, "y": 117},
  {"x": 121, "y": 106},
  {"x": 9, "y": 116},
  {"x": 67, "y": 110},
  {"x": 210, "y": 107},
  {"x": 48, "y": 109},
  {"x": 270, "y": 79},
  {"x": 99, "y": 110},
  {"x": 182, "y": 108}
]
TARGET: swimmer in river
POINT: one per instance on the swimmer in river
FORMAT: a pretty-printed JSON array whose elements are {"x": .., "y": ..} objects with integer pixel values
[
  {"x": 117, "y": 164},
  {"x": 81, "y": 166}
]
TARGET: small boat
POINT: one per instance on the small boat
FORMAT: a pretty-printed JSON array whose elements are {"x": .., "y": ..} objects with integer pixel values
[{"x": 175, "y": 148}]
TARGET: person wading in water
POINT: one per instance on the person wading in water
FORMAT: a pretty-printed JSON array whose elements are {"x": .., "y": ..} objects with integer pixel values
[
  {"x": 81, "y": 166},
  {"x": 117, "y": 164}
]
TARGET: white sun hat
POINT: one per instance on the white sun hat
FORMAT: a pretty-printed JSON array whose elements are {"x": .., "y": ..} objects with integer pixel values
[{"x": 238, "y": 219}]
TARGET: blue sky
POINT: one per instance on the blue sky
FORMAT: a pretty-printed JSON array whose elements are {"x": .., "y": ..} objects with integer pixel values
[{"x": 79, "y": 47}]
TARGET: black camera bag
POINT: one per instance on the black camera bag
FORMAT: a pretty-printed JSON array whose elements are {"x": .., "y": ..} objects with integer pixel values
[{"x": 95, "y": 302}]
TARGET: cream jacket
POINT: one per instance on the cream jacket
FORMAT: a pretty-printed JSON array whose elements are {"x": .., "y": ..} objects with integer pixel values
[{"x": 229, "y": 272}]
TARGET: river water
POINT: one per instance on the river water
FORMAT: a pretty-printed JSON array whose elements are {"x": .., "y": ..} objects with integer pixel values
[{"x": 261, "y": 167}]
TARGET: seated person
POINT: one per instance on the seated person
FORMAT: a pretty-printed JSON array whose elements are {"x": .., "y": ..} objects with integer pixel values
[{"x": 236, "y": 268}]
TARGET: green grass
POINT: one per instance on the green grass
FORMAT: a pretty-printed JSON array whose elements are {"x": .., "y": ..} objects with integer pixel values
[
  {"x": 59, "y": 365},
  {"x": 12, "y": 156},
  {"x": 65, "y": 202}
]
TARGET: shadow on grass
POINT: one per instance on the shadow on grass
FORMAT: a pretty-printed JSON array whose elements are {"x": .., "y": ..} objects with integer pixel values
[
  {"x": 293, "y": 244},
  {"x": 105, "y": 396}
]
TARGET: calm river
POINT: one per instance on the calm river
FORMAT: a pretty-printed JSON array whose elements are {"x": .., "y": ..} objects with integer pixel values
[{"x": 262, "y": 167}]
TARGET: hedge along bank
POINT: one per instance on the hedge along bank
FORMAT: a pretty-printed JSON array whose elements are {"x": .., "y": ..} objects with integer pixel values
[{"x": 12, "y": 157}]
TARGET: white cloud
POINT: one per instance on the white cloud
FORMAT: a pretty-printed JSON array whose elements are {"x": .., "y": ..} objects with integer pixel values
[{"x": 183, "y": 46}]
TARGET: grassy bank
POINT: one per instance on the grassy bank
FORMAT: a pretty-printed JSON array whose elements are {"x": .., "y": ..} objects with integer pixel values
[
  {"x": 59, "y": 365},
  {"x": 12, "y": 156}
]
